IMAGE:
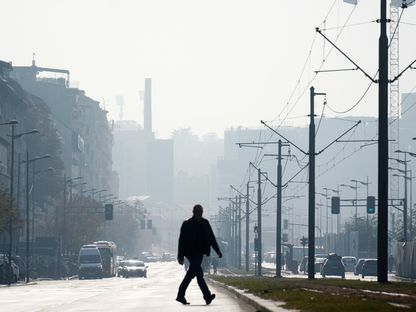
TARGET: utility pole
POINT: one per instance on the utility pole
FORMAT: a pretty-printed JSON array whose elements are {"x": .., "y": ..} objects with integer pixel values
[
  {"x": 236, "y": 231},
  {"x": 9, "y": 275},
  {"x": 248, "y": 228},
  {"x": 311, "y": 203},
  {"x": 27, "y": 219},
  {"x": 383, "y": 149},
  {"x": 239, "y": 233},
  {"x": 279, "y": 212},
  {"x": 259, "y": 229}
]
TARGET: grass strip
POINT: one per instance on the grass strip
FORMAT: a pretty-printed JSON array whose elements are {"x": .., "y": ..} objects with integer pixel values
[{"x": 328, "y": 294}]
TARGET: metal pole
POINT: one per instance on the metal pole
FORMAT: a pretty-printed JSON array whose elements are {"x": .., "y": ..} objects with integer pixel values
[
  {"x": 236, "y": 232},
  {"x": 33, "y": 216},
  {"x": 259, "y": 252},
  {"x": 311, "y": 203},
  {"x": 239, "y": 232},
  {"x": 279, "y": 211},
  {"x": 27, "y": 220},
  {"x": 383, "y": 149},
  {"x": 367, "y": 226},
  {"x": 64, "y": 217},
  {"x": 327, "y": 221},
  {"x": 411, "y": 207},
  {"x": 248, "y": 229},
  {"x": 356, "y": 205},
  {"x": 405, "y": 200},
  {"x": 11, "y": 207}
]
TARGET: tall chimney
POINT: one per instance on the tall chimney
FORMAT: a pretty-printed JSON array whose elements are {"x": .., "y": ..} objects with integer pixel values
[{"x": 148, "y": 105}]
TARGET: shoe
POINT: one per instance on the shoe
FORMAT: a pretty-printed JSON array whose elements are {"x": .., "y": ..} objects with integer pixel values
[
  {"x": 209, "y": 299},
  {"x": 182, "y": 300}
]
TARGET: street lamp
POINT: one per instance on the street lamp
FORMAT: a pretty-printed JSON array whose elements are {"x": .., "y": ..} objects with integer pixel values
[
  {"x": 66, "y": 181},
  {"x": 12, "y": 123},
  {"x": 405, "y": 171},
  {"x": 28, "y": 162},
  {"x": 355, "y": 188},
  {"x": 13, "y": 136}
]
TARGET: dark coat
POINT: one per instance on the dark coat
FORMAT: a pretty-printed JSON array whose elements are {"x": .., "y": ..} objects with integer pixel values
[{"x": 196, "y": 238}]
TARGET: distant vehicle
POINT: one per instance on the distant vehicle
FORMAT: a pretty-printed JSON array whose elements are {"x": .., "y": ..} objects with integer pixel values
[
  {"x": 369, "y": 268},
  {"x": 130, "y": 268},
  {"x": 359, "y": 266},
  {"x": 349, "y": 263},
  {"x": 318, "y": 264},
  {"x": 148, "y": 256},
  {"x": 119, "y": 259},
  {"x": 108, "y": 251},
  {"x": 90, "y": 263},
  {"x": 168, "y": 257},
  {"x": 333, "y": 266}
]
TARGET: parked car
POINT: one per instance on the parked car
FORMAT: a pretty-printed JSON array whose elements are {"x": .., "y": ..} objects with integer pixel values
[
  {"x": 132, "y": 267},
  {"x": 369, "y": 268},
  {"x": 359, "y": 266},
  {"x": 333, "y": 266},
  {"x": 90, "y": 263},
  {"x": 318, "y": 264},
  {"x": 349, "y": 263}
]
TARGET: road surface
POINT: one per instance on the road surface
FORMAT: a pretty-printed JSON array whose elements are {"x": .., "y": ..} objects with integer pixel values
[{"x": 156, "y": 293}]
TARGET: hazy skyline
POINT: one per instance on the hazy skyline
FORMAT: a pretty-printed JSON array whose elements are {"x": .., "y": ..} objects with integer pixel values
[{"x": 213, "y": 64}]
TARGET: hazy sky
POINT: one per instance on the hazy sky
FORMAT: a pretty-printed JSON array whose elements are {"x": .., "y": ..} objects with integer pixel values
[{"x": 214, "y": 64}]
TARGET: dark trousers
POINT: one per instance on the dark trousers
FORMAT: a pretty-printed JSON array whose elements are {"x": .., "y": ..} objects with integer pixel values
[{"x": 194, "y": 270}]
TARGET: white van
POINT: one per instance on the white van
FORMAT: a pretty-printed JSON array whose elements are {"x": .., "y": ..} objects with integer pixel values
[{"x": 90, "y": 263}]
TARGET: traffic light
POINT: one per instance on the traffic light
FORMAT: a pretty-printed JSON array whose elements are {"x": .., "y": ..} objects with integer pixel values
[
  {"x": 303, "y": 241},
  {"x": 335, "y": 205},
  {"x": 371, "y": 204},
  {"x": 109, "y": 212},
  {"x": 285, "y": 224}
]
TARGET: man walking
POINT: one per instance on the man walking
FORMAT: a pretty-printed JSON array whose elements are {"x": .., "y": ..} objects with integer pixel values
[{"x": 195, "y": 241}]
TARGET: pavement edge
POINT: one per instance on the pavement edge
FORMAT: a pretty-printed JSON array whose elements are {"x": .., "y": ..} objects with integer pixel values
[{"x": 259, "y": 304}]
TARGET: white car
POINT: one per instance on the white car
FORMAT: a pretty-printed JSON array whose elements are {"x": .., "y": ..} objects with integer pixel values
[{"x": 349, "y": 263}]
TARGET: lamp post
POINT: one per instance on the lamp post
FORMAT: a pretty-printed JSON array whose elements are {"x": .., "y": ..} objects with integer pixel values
[
  {"x": 28, "y": 162},
  {"x": 405, "y": 221},
  {"x": 13, "y": 123},
  {"x": 13, "y": 136},
  {"x": 66, "y": 181},
  {"x": 403, "y": 162},
  {"x": 355, "y": 188}
]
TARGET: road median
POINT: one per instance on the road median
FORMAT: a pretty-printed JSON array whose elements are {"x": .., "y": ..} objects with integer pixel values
[{"x": 321, "y": 294}]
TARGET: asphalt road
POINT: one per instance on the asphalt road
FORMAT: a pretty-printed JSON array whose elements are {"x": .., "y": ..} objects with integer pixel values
[{"x": 155, "y": 293}]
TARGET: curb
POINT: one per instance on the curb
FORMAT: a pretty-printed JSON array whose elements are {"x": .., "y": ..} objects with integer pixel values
[{"x": 260, "y": 304}]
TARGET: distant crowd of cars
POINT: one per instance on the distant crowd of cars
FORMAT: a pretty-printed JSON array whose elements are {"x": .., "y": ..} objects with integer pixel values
[{"x": 334, "y": 265}]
